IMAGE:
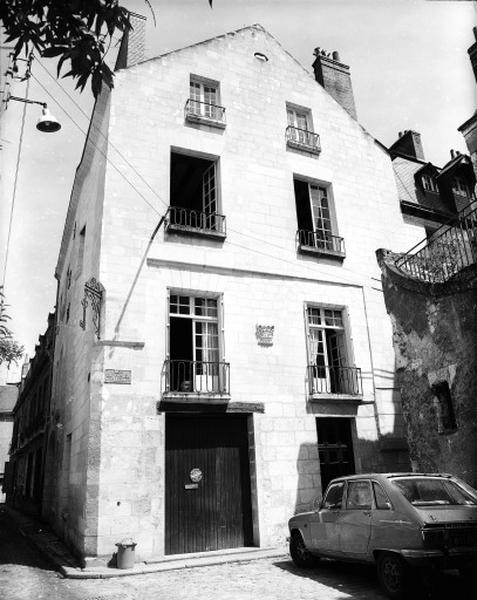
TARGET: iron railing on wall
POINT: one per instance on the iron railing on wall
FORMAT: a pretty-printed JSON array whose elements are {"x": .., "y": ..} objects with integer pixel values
[
  {"x": 196, "y": 377},
  {"x": 302, "y": 138},
  {"x": 197, "y": 220},
  {"x": 197, "y": 110},
  {"x": 320, "y": 240},
  {"x": 335, "y": 380},
  {"x": 450, "y": 249}
]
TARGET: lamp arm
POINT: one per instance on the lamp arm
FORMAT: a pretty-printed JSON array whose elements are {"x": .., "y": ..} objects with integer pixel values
[{"x": 26, "y": 100}]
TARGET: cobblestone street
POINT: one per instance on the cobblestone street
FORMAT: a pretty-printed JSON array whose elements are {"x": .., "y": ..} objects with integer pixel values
[{"x": 25, "y": 575}]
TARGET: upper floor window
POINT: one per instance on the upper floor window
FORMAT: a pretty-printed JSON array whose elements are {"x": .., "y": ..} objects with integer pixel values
[
  {"x": 429, "y": 183},
  {"x": 195, "y": 197},
  {"x": 204, "y": 102},
  {"x": 299, "y": 132},
  {"x": 461, "y": 187},
  {"x": 194, "y": 364},
  {"x": 317, "y": 227},
  {"x": 329, "y": 369}
]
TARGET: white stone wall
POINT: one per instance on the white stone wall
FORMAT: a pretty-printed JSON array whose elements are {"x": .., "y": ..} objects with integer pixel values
[{"x": 256, "y": 270}]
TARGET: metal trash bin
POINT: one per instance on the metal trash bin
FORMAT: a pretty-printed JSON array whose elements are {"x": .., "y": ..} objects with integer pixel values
[{"x": 125, "y": 557}]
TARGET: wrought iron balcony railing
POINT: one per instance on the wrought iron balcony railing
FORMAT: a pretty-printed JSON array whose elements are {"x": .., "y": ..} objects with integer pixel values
[
  {"x": 450, "y": 249},
  {"x": 335, "y": 380},
  {"x": 197, "y": 111},
  {"x": 195, "y": 221},
  {"x": 303, "y": 139},
  {"x": 196, "y": 377},
  {"x": 320, "y": 242}
]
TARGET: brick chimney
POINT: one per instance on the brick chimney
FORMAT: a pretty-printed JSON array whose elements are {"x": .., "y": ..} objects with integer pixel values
[
  {"x": 408, "y": 143},
  {"x": 335, "y": 77},
  {"x": 133, "y": 43},
  {"x": 473, "y": 54}
]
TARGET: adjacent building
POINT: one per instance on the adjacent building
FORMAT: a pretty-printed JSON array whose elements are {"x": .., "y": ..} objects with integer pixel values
[
  {"x": 222, "y": 344},
  {"x": 431, "y": 295},
  {"x": 31, "y": 418}
]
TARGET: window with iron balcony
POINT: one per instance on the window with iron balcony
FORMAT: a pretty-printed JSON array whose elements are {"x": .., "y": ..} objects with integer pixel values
[
  {"x": 194, "y": 367},
  {"x": 203, "y": 105},
  {"x": 195, "y": 197},
  {"x": 317, "y": 232},
  {"x": 329, "y": 370},
  {"x": 299, "y": 133}
]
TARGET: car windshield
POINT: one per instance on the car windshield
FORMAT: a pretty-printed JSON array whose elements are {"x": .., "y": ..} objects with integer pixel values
[{"x": 433, "y": 491}]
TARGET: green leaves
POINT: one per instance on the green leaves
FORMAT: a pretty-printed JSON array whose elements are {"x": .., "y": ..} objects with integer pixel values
[
  {"x": 10, "y": 350},
  {"x": 78, "y": 31}
]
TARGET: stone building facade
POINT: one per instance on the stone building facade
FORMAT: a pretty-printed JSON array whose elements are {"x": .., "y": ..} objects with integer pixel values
[
  {"x": 435, "y": 332},
  {"x": 222, "y": 346},
  {"x": 31, "y": 420}
]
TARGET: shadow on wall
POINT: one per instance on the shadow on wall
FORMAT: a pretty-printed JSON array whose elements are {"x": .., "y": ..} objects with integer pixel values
[{"x": 317, "y": 465}]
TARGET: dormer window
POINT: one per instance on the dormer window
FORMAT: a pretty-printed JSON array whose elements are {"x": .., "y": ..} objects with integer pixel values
[
  {"x": 459, "y": 186},
  {"x": 429, "y": 184},
  {"x": 203, "y": 105},
  {"x": 299, "y": 133}
]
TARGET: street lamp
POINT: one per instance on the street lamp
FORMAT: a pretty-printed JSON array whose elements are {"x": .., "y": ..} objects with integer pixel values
[{"x": 47, "y": 123}]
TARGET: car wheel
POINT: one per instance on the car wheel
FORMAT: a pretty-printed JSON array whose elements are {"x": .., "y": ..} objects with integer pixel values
[
  {"x": 393, "y": 575},
  {"x": 301, "y": 556}
]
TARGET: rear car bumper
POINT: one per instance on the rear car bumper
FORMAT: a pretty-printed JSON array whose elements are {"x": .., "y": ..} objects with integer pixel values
[{"x": 452, "y": 558}]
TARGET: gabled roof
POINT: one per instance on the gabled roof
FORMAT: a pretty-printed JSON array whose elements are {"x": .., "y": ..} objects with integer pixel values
[
  {"x": 427, "y": 167},
  {"x": 453, "y": 163},
  {"x": 223, "y": 36}
]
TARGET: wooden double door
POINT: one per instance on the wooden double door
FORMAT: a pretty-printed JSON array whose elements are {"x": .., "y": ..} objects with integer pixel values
[{"x": 208, "y": 504}]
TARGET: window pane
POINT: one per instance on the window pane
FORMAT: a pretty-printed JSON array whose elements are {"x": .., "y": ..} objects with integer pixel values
[
  {"x": 314, "y": 316},
  {"x": 359, "y": 495},
  {"x": 334, "y": 496},
  {"x": 380, "y": 497}
]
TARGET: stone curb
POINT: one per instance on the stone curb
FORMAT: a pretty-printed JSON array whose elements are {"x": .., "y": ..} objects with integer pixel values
[
  {"x": 57, "y": 554},
  {"x": 172, "y": 565}
]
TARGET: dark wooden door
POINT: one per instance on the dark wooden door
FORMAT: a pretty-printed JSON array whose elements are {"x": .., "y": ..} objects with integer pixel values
[
  {"x": 335, "y": 448},
  {"x": 207, "y": 483}
]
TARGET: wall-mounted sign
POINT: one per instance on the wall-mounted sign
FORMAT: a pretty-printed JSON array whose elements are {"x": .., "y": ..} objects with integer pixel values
[
  {"x": 121, "y": 376},
  {"x": 191, "y": 486},
  {"x": 195, "y": 475},
  {"x": 264, "y": 334}
]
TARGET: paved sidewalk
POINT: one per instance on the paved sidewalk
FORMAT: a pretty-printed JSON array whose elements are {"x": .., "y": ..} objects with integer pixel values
[{"x": 55, "y": 551}]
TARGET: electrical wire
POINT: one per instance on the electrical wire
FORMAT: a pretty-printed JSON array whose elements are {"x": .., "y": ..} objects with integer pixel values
[
  {"x": 126, "y": 160},
  {"x": 15, "y": 186},
  {"x": 110, "y": 162},
  {"x": 254, "y": 239}
]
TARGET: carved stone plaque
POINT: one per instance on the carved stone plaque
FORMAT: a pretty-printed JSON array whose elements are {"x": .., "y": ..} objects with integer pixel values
[{"x": 121, "y": 376}]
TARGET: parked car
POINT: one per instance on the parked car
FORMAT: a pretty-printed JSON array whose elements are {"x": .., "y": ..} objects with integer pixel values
[{"x": 394, "y": 520}]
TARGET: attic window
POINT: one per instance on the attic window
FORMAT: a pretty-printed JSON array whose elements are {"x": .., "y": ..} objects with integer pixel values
[
  {"x": 260, "y": 56},
  {"x": 429, "y": 184}
]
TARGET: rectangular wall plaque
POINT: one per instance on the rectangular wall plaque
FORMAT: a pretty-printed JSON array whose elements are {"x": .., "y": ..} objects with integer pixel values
[
  {"x": 191, "y": 486},
  {"x": 121, "y": 376}
]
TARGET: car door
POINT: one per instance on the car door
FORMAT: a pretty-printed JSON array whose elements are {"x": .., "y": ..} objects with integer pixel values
[
  {"x": 325, "y": 522},
  {"x": 355, "y": 519}
]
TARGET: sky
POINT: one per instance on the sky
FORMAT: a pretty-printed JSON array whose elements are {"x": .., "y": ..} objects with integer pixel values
[{"x": 409, "y": 66}]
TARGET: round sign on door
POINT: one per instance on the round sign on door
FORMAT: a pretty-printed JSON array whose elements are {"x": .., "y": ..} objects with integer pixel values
[{"x": 195, "y": 475}]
